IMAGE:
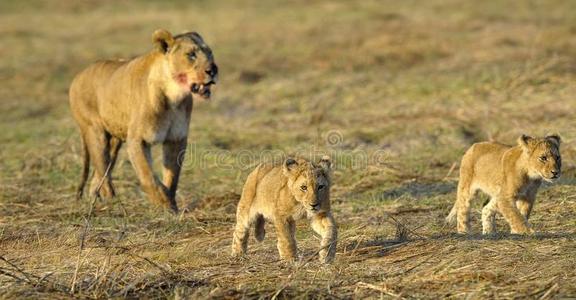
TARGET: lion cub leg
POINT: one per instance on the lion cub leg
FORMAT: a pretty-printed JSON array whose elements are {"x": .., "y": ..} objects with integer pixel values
[
  {"x": 517, "y": 222},
  {"x": 243, "y": 217},
  {"x": 259, "y": 230},
  {"x": 241, "y": 235},
  {"x": 462, "y": 205},
  {"x": 525, "y": 204},
  {"x": 461, "y": 209},
  {"x": 489, "y": 216},
  {"x": 286, "y": 229},
  {"x": 324, "y": 225}
]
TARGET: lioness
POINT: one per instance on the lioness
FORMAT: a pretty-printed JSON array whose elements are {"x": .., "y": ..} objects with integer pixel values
[
  {"x": 283, "y": 194},
  {"x": 143, "y": 101},
  {"x": 511, "y": 177}
]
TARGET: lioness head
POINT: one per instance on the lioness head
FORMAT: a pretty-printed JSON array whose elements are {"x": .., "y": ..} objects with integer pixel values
[
  {"x": 543, "y": 156},
  {"x": 309, "y": 183},
  {"x": 190, "y": 61}
]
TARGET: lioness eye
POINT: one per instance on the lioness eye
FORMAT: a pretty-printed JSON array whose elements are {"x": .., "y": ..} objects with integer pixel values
[
  {"x": 192, "y": 55},
  {"x": 543, "y": 158},
  {"x": 304, "y": 188},
  {"x": 320, "y": 187}
]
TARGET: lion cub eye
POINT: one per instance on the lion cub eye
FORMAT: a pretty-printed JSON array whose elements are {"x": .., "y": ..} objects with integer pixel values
[
  {"x": 192, "y": 56},
  {"x": 320, "y": 187},
  {"x": 543, "y": 158},
  {"x": 304, "y": 188}
]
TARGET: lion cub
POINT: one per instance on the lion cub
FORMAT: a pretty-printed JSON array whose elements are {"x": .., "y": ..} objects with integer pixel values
[
  {"x": 511, "y": 177},
  {"x": 282, "y": 194}
]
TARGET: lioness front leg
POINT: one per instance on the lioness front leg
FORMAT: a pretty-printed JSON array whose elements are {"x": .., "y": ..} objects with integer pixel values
[
  {"x": 285, "y": 230},
  {"x": 140, "y": 156},
  {"x": 172, "y": 151},
  {"x": 324, "y": 225},
  {"x": 517, "y": 222}
]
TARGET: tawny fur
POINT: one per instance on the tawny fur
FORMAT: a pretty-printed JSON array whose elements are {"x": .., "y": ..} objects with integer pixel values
[
  {"x": 143, "y": 101},
  {"x": 510, "y": 175},
  {"x": 282, "y": 194}
]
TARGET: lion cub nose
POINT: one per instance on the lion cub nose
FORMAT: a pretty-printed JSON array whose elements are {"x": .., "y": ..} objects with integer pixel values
[
  {"x": 315, "y": 206},
  {"x": 555, "y": 173}
]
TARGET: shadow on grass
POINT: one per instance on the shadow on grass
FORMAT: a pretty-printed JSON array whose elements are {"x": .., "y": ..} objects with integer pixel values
[
  {"x": 159, "y": 288},
  {"x": 504, "y": 236},
  {"x": 379, "y": 247},
  {"x": 419, "y": 190}
]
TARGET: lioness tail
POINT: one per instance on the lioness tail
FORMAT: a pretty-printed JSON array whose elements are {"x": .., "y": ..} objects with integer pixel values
[{"x": 85, "y": 170}]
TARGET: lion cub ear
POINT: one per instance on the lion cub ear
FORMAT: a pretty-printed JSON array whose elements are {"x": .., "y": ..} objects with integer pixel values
[
  {"x": 163, "y": 40},
  {"x": 325, "y": 163},
  {"x": 289, "y": 166},
  {"x": 525, "y": 141},
  {"x": 554, "y": 139}
]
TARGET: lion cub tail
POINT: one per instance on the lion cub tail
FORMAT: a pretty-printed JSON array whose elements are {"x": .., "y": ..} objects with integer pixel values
[
  {"x": 259, "y": 231},
  {"x": 451, "y": 218}
]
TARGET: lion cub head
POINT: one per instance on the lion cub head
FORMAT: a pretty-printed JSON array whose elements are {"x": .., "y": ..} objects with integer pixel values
[
  {"x": 189, "y": 60},
  {"x": 543, "y": 156},
  {"x": 309, "y": 183}
]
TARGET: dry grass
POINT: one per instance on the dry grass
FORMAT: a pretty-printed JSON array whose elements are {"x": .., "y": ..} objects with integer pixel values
[{"x": 394, "y": 91}]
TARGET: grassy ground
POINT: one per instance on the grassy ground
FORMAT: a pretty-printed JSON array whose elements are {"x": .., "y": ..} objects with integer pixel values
[{"x": 394, "y": 91}]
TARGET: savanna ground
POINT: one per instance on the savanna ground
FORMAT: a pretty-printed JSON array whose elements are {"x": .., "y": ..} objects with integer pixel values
[{"x": 394, "y": 91}]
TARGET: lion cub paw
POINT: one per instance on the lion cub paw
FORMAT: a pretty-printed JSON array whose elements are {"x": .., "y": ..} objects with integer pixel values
[
  {"x": 237, "y": 251},
  {"x": 525, "y": 231}
]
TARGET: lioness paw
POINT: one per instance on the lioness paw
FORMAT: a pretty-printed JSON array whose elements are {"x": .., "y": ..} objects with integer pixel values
[{"x": 326, "y": 258}]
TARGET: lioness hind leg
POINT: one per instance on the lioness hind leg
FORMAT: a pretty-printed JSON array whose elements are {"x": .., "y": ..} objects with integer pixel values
[
  {"x": 489, "y": 217},
  {"x": 114, "y": 144},
  {"x": 85, "y": 169},
  {"x": 99, "y": 149}
]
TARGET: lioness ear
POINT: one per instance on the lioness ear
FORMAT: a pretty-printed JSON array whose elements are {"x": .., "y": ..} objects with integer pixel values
[
  {"x": 524, "y": 141},
  {"x": 325, "y": 163},
  {"x": 289, "y": 166},
  {"x": 554, "y": 139},
  {"x": 163, "y": 40},
  {"x": 196, "y": 35}
]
